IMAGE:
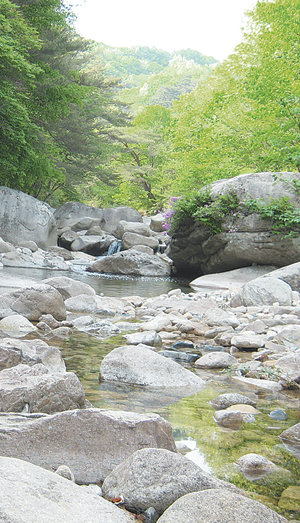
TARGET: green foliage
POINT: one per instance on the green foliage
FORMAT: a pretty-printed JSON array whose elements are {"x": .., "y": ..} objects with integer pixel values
[
  {"x": 284, "y": 214},
  {"x": 202, "y": 208}
]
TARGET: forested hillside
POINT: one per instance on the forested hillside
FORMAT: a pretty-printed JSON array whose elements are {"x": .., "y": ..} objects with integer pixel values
[{"x": 85, "y": 121}]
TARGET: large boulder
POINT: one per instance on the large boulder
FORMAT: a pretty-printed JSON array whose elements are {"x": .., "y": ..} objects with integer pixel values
[
  {"x": 92, "y": 442},
  {"x": 289, "y": 274},
  {"x": 14, "y": 351},
  {"x": 68, "y": 287},
  {"x": 23, "y": 217},
  {"x": 141, "y": 366},
  {"x": 70, "y": 213},
  {"x": 219, "y": 506},
  {"x": 135, "y": 227},
  {"x": 131, "y": 239},
  {"x": 266, "y": 291},
  {"x": 93, "y": 244},
  {"x": 131, "y": 262},
  {"x": 36, "y": 300},
  {"x": 249, "y": 240},
  {"x": 37, "y": 390},
  {"x": 30, "y": 494},
  {"x": 112, "y": 217},
  {"x": 156, "y": 478}
]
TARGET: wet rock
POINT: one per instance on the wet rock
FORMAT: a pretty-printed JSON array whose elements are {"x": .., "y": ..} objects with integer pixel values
[
  {"x": 268, "y": 385},
  {"x": 16, "y": 323},
  {"x": 278, "y": 414},
  {"x": 186, "y": 357},
  {"x": 290, "y": 499},
  {"x": 30, "y": 492},
  {"x": 254, "y": 466},
  {"x": 226, "y": 400},
  {"x": 150, "y": 338},
  {"x": 94, "y": 245},
  {"x": 132, "y": 262},
  {"x": 140, "y": 366},
  {"x": 91, "y": 441},
  {"x": 215, "y": 360},
  {"x": 229, "y": 420},
  {"x": 41, "y": 390},
  {"x": 69, "y": 287},
  {"x": 183, "y": 345},
  {"x": 292, "y": 435},
  {"x": 157, "y": 477},
  {"x": 218, "y": 505}
]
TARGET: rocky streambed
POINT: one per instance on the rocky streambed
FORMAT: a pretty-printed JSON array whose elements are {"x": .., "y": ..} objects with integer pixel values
[{"x": 220, "y": 365}]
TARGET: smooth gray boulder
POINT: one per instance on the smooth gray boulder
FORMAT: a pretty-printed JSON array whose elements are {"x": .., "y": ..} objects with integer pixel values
[
  {"x": 254, "y": 466},
  {"x": 38, "y": 390},
  {"x": 266, "y": 291},
  {"x": 71, "y": 212},
  {"x": 113, "y": 216},
  {"x": 131, "y": 239},
  {"x": 30, "y": 352},
  {"x": 289, "y": 365},
  {"x": 157, "y": 223},
  {"x": 69, "y": 287},
  {"x": 143, "y": 248},
  {"x": 150, "y": 338},
  {"x": 15, "y": 323},
  {"x": 36, "y": 300},
  {"x": 135, "y": 227},
  {"x": 92, "y": 442},
  {"x": 141, "y": 366},
  {"x": 5, "y": 246},
  {"x": 39, "y": 259},
  {"x": 215, "y": 360},
  {"x": 289, "y": 274},
  {"x": 104, "y": 305},
  {"x": 219, "y": 506},
  {"x": 248, "y": 340},
  {"x": 23, "y": 217},
  {"x": 131, "y": 262},
  {"x": 215, "y": 317},
  {"x": 156, "y": 478},
  {"x": 292, "y": 435},
  {"x": 30, "y": 494},
  {"x": 230, "y": 398}
]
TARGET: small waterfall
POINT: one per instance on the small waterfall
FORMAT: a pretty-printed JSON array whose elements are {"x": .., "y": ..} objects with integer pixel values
[{"x": 114, "y": 247}]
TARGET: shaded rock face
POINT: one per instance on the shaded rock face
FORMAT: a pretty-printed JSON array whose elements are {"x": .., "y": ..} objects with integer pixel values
[
  {"x": 30, "y": 493},
  {"x": 23, "y": 217},
  {"x": 195, "y": 251},
  {"x": 92, "y": 442},
  {"x": 218, "y": 506},
  {"x": 156, "y": 478}
]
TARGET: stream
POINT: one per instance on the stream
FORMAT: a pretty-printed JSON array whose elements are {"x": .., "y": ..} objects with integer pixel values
[{"x": 198, "y": 436}]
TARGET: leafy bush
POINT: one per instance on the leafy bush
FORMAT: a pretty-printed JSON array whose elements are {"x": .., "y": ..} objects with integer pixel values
[{"x": 283, "y": 213}]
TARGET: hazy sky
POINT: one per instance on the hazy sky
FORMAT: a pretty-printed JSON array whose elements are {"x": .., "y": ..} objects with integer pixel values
[{"x": 212, "y": 27}]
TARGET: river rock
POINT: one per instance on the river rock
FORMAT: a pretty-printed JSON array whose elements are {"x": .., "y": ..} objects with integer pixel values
[
  {"x": 104, "y": 305},
  {"x": 35, "y": 260},
  {"x": 60, "y": 251},
  {"x": 215, "y": 317},
  {"x": 150, "y": 338},
  {"x": 288, "y": 364},
  {"x": 131, "y": 239},
  {"x": 66, "y": 239},
  {"x": 157, "y": 223},
  {"x": 142, "y": 248},
  {"x": 94, "y": 245},
  {"x": 30, "y": 352},
  {"x": 131, "y": 262},
  {"x": 160, "y": 322},
  {"x": 228, "y": 419},
  {"x": 218, "y": 506},
  {"x": 23, "y": 217},
  {"x": 39, "y": 389},
  {"x": 156, "y": 478},
  {"x": 69, "y": 287},
  {"x": 39, "y": 299},
  {"x": 134, "y": 227},
  {"x": 267, "y": 385},
  {"x": 215, "y": 360},
  {"x": 65, "y": 472},
  {"x": 226, "y": 400},
  {"x": 289, "y": 336},
  {"x": 254, "y": 466},
  {"x": 30, "y": 494},
  {"x": 92, "y": 442},
  {"x": 140, "y": 366},
  {"x": 84, "y": 224},
  {"x": 5, "y": 246},
  {"x": 16, "y": 323},
  {"x": 266, "y": 291},
  {"x": 248, "y": 340},
  {"x": 292, "y": 435},
  {"x": 289, "y": 274}
]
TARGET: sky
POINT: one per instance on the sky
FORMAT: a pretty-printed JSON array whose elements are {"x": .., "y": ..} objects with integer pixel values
[{"x": 212, "y": 27}]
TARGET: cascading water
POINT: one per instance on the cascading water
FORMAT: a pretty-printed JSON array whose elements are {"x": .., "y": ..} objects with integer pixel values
[{"x": 115, "y": 246}]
